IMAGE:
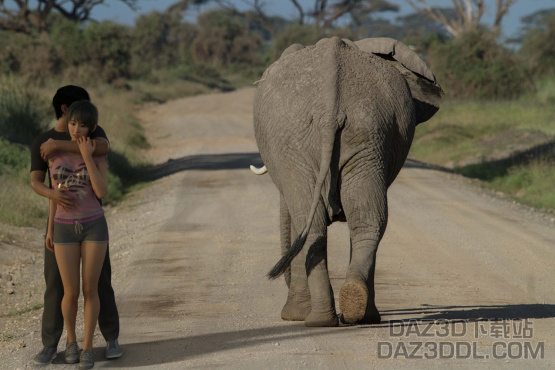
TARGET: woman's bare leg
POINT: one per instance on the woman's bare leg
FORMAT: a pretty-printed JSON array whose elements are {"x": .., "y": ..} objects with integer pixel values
[
  {"x": 68, "y": 257},
  {"x": 93, "y": 257}
]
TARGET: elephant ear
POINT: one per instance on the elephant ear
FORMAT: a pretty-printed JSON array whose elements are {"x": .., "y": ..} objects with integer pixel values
[{"x": 425, "y": 90}]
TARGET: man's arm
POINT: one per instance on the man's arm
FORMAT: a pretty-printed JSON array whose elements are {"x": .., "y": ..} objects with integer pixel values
[
  {"x": 51, "y": 146},
  {"x": 59, "y": 196}
]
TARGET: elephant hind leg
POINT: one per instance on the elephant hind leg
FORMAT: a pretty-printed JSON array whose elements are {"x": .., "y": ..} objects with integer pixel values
[
  {"x": 365, "y": 203},
  {"x": 297, "y": 306},
  {"x": 310, "y": 266},
  {"x": 353, "y": 304}
]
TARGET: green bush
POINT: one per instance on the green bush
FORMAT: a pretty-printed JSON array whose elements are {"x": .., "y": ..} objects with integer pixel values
[
  {"x": 160, "y": 40},
  {"x": 475, "y": 66},
  {"x": 23, "y": 114},
  {"x": 108, "y": 49},
  {"x": 19, "y": 205},
  {"x": 530, "y": 183},
  {"x": 13, "y": 157},
  {"x": 115, "y": 189},
  {"x": 224, "y": 39},
  {"x": 69, "y": 39},
  {"x": 538, "y": 46},
  {"x": 295, "y": 34},
  {"x": 31, "y": 56}
]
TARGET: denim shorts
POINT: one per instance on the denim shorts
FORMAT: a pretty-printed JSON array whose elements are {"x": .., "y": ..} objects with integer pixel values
[{"x": 76, "y": 233}]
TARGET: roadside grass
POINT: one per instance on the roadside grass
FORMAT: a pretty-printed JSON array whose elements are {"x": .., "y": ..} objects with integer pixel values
[
  {"x": 30, "y": 112},
  {"x": 19, "y": 205},
  {"x": 486, "y": 140},
  {"x": 463, "y": 129},
  {"x": 476, "y": 138},
  {"x": 530, "y": 183},
  {"x": 25, "y": 310}
]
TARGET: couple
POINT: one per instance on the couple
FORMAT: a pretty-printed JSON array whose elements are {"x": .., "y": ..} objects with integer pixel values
[{"x": 74, "y": 153}]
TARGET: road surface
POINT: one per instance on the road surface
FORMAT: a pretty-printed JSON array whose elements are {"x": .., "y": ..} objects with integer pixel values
[{"x": 190, "y": 253}]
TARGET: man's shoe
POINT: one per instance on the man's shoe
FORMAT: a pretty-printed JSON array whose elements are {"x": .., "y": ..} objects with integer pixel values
[
  {"x": 72, "y": 353},
  {"x": 86, "y": 361},
  {"x": 46, "y": 356},
  {"x": 113, "y": 350}
]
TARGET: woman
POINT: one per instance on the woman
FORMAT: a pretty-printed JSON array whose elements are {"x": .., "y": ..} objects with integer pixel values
[{"x": 80, "y": 233}]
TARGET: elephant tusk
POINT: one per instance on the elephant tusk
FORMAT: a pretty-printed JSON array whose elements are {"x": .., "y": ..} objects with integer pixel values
[{"x": 259, "y": 171}]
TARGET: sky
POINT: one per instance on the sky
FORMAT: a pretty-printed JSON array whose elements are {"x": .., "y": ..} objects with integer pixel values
[{"x": 116, "y": 11}]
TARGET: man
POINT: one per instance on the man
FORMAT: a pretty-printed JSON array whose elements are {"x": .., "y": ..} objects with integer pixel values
[{"x": 52, "y": 320}]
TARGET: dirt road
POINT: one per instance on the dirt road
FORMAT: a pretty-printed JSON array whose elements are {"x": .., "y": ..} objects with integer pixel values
[{"x": 191, "y": 251}]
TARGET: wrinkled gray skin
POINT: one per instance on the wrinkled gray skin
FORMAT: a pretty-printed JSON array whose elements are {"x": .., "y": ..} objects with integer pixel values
[{"x": 334, "y": 123}]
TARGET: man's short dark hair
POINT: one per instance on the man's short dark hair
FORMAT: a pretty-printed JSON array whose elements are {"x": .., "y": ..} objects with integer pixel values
[{"x": 68, "y": 95}]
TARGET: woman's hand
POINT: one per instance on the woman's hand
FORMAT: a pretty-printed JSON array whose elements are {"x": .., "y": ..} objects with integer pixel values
[
  {"x": 49, "y": 242},
  {"x": 86, "y": 146}
]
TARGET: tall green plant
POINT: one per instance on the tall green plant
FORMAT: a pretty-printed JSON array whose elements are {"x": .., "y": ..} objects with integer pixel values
[
  {"x": 68, "y": 37},
  {"x": 160, "y": 40},
  {"x": 224, "y": 39},
  {"x": 538, "y": 45},
  {"x": 295, "y": 34},
  {"x": 108, "y": 49},
  {"x": 474, "y": 65},
  {"x": 23, "y": 114}
]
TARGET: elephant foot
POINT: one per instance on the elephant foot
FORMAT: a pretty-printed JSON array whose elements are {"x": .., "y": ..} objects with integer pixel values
[
  {"x": 321, "y": 319},
  {"x": 295, "y": 311},
  {"x": 354, "y": 305}
]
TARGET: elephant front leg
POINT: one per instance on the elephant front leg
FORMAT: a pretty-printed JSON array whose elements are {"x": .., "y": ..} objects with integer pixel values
[
  {"x": 297, "y": 306},
  {"x": 365, "y": 206}
]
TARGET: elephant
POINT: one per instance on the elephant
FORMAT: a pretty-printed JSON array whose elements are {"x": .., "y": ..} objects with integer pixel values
[{"x": 334, "y": 123}]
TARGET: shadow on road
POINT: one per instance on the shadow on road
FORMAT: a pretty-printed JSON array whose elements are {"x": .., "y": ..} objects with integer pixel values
[
  {"x": 231, "y": 161},
  {"x": 490, "y": 170},
  {"x": 206, "y": 162},
  {"x": 158, "y": 352},
  {"x": 475, "y": 313},
  {"x": 413, "y": 163}
]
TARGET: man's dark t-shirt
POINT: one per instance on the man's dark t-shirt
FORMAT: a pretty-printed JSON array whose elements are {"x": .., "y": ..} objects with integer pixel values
[{"x": 37, "y": 163}]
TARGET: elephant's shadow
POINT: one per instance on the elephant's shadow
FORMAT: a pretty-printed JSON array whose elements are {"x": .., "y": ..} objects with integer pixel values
[
  {"x": 467, "y": 313},
  {"x": 165, "y": 351}
]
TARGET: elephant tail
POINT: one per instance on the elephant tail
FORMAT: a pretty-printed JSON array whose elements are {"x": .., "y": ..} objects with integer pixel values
[
  {"x": 259, "y": 171},
  {"x": 328, "y": 139}
]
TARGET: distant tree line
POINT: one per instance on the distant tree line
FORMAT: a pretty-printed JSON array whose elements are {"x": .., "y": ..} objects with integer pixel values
[{"x": 59, "y": 37}]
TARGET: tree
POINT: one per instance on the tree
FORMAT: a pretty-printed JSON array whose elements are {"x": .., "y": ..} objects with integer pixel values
[
  {"x": 108, "y": 47},
  {"x": 160, "y": 40},
  {"x": 475, "y": 66},
  {"x": 322, "y": 15},
  {"x": 411, "y": 28},
  {"x": 23, "y": 17},
  {"x": 537, "y": 45},
  {"x": 468, "y": 14},
  {"x": 224, "y": 39}
]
